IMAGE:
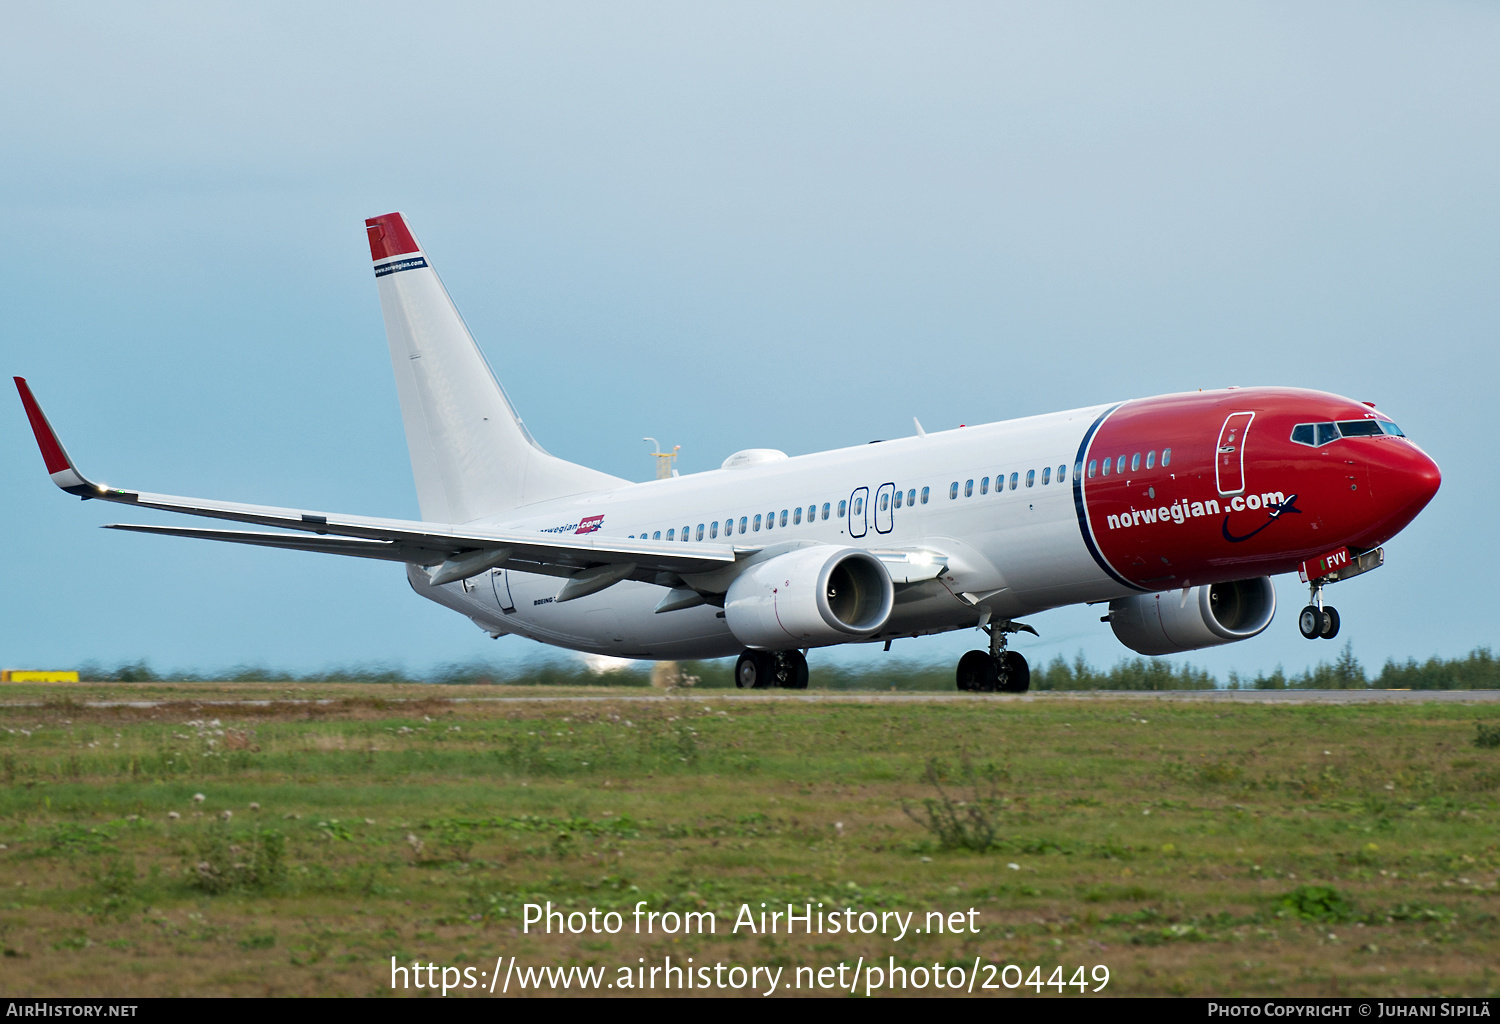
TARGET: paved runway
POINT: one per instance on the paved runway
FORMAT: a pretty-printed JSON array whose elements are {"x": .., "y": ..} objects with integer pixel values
[{"x": 867, "y": 697}]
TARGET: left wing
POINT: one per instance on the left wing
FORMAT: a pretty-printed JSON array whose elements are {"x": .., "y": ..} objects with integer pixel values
[{"x": 457, "y": 551}]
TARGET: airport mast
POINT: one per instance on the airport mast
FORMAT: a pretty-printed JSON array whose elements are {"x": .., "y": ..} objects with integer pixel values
[
  {"x": 664, "y": 673},
  {"x": 665, "y": 461}
]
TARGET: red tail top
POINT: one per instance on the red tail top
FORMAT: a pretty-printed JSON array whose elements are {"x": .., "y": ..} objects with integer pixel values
[{"x": 389, "y": 236}]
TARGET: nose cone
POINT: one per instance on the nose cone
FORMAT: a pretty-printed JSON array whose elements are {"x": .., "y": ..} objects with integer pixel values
[{"x": 1403, "y": 479}]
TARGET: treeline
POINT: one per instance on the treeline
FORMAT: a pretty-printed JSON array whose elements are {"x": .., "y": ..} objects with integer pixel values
[{"x": 1478, "y": 670}]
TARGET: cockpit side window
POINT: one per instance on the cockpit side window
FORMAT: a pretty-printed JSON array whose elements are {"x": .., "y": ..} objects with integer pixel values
[{"x": 1315, "y": 435}]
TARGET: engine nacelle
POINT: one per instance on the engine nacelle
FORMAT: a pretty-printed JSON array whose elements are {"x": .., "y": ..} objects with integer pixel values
[
  {"x": 809, "y": 597},
  {"x": 1217, "y": 614}
]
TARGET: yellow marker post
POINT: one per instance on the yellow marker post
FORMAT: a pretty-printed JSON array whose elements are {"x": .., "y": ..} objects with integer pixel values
[{"x": 21, "y": 675}]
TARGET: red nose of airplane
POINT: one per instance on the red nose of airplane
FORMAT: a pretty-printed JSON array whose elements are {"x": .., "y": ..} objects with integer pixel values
[{"x": 1403, "y": 479}]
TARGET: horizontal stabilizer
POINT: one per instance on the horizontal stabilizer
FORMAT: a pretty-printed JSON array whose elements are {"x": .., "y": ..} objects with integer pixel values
[{"x": 384, "y": 549}]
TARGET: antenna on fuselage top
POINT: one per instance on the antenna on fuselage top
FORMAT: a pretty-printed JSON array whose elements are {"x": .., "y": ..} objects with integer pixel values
[{"x": 666, "y": 462}]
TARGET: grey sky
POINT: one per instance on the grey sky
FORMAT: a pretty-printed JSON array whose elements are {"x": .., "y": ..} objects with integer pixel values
[{"x": 793, "y": 226}]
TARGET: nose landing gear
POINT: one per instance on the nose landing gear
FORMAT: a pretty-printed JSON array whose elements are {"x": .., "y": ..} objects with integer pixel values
[
  {"x": 998, "y": 669},
  {"x": 1318, "y": 621}
]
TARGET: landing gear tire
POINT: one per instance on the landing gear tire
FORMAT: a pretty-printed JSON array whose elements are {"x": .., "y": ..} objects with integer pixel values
[
  {"x": 755, "y": 671},
  {"x": 1014, "y": 674},
  {"x": 1330, "y": 626},
  {"x": 1310, "y": 623},
  {"x": 790, "y": 670},
  {"x": 977, "y": 672}
]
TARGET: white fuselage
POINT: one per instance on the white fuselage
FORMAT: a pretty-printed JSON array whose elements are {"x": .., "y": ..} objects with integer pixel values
[{"x": 1008, "y": 552}]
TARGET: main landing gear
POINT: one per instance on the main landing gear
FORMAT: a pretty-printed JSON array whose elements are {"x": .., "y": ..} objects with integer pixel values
[
  {"x": 761, "y": 670},
  {"x": 1318, "y": 621},
  {"x": 997, "y": 669}
]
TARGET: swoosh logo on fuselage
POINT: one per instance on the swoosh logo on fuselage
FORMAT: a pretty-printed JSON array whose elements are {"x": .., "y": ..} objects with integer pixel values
[{"x": 1276, "y": 511}]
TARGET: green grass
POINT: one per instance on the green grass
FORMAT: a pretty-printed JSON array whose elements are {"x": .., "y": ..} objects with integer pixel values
[{"x": 1191, "y": 848}]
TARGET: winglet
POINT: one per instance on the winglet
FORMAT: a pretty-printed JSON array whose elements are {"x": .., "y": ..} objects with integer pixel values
[{"x": 59, "y": 465}]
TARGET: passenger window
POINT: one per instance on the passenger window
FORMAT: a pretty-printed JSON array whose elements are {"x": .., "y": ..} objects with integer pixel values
[
  {"x": 1046, "y": 475},
  {"x": 1062, "y": 471},
  {"x": 684, "y": 533},
  {"x": 924, "y": 494},
  {"x": 898, "y": 499},
  {"x": 842, "y": 504},
  {"x": 698, "y": 534},
  {"x": 757, "y": 523},
  {"x": 1135, "y": 463},
  {"x": 1151, "y": 459},
  {"x": 1093, "y": 466},
  {"x": 797, "y": 516},
  {"x": 859, "y": 506},
  {"x": 671, "y": 534},
  {"x": 1120, "y": 464},
  {"x": 1108, "y": 465},
  {"x": 743, "y": 520},
  {"x": 656, "y": 535},
  {"x": 770, "y": 520},
  {"x": 1166, "y": 457},
  {"x": 1015, "y": 479},
  {"x": 713, "y": 529},
  {"x": 984, "y": 486},
  {"x": 825, "y": 511},
  {"x": 968, "y": 488},
  {"x": 783, "y": 517},
  {"x": 911, "y": 497},
  {"x": 1030, "y": 478},
  {"x": 953, "y": 490},
  {"x": 885, "y": 502}
]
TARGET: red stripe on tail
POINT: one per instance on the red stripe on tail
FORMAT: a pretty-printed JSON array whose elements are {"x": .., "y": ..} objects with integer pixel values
[{"x": 389, "y": 236}]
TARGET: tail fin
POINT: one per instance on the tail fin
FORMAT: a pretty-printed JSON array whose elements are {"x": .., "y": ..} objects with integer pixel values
[{"x": 470, "y": 453}]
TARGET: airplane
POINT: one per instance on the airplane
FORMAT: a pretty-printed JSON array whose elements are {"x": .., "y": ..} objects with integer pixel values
[{"x": 1174, "y": 510}]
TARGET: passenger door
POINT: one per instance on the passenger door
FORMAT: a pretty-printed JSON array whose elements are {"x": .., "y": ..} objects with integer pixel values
[
  {"x": 859, "y": 524},
  {"x": 885, "y": 512},
  {"x": 1229, "y": 459}
]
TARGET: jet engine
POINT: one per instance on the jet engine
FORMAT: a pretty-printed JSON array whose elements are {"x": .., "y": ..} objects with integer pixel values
[
  {"x": 1203, "y": 617},
  {"x": 809, "y": 597}
]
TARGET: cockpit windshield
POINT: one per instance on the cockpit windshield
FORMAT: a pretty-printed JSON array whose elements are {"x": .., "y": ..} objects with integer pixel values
[{"x": 1315, "y": 435}]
